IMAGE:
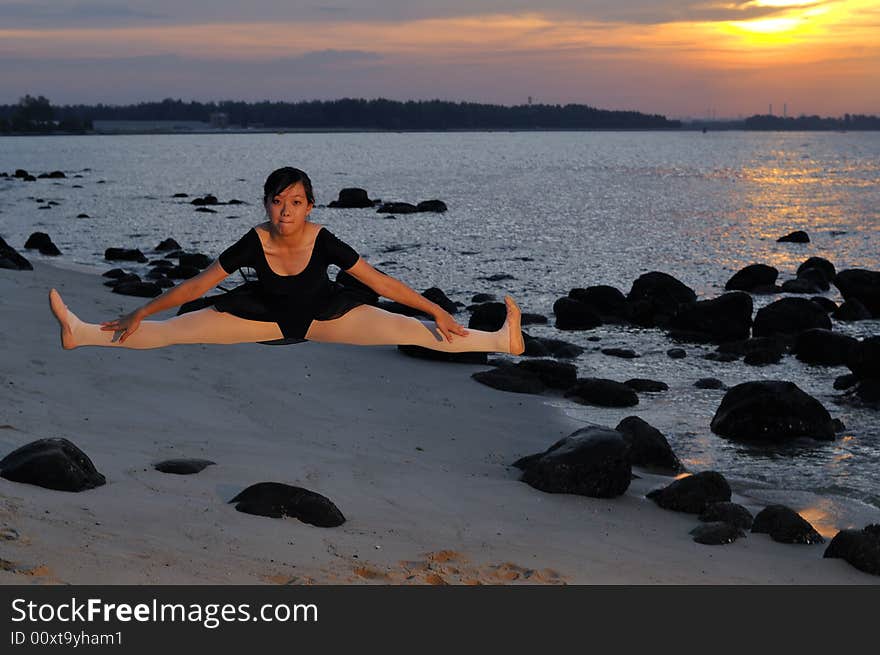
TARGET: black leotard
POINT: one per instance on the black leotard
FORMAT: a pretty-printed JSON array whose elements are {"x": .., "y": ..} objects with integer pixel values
[{"x": 291, "y": 301}]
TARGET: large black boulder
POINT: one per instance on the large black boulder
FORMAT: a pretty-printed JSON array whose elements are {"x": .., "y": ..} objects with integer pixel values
[
  {"x": 861, "y": 548},
  {"x": 194, "y": 259},
  {"x": 11, "y": 259},
  {"x": 397, "y": 208},
  {"x": 167, "y": 244},
  {"x": 825, "y": 303},
  {"x": 437, "y": 206},
  {"x": 352, "y": 198},
  {"x": 488, "y": 316},
  {"x": 276, "y": 500},
  {"x": 865, "y": 360},
  {"x": 851, "y": 310},
  {"x": 436, "y": 296},
  {"x": 139, "y": 289},
  {"x": 771, "y": 411},
  {"x": 602, "y": 392},
  {"x": 605, "y": 301},
  {"x": 572, "y": 314},
  {"x": 815, "y": 276},
  {"x": 789, "y": 317},
  {"x": 592, "y": 461},
  {"x": 42, "y": 242},
  {"x": 510, "y": 378},
  {"x": 819, "y": 263},
  {"x": 656, "y": 297},
  {"x": 753, "y": 276},
  {"x": 786, "y": 526},
  {"x": 726, "y": 318},
  {"x": 861, "y": 285},
  {"x": 648, "y": 447},
  {"x": 182, "y": 466},
  {"x": 51, "y": 463},
  {"x": 824, "y": 347},
  {"x": 692, "y": 493}
]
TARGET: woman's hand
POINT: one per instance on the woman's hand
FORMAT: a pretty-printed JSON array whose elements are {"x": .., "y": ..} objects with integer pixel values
[
  {"x": 127, "y": 325},
  {"x": 448, "y": 325}
]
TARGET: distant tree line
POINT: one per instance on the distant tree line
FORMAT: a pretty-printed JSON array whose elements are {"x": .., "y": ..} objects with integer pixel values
[
  {"x": 37, "y": 116},
  {"x": 792, "y": 123},
  {"x": 368, "y": 114}
]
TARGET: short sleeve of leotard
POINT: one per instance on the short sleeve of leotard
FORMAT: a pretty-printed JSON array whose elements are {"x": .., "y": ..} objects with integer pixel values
[
  {"x": 339, "y": 252},
  {"x": 240, "y": 254}
]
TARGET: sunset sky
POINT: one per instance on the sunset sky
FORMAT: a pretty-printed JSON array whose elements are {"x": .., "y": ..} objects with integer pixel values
[{"x": 675, "y": 57}]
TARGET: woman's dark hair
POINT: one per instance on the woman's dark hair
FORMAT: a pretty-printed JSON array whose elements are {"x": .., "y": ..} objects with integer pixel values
[{"x": 282, "y": 178}]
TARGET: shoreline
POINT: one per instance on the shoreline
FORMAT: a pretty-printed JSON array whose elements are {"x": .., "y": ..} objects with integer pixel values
[{"x": 415, "y": 455}]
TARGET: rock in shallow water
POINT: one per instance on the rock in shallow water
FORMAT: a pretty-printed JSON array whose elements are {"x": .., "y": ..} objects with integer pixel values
[
  {"x": 786, "y": 526},
  {"x": 693, "y": 493},
  {"x": 602, "y": 392},
  {"x": 727, "y": 512},
  {"x": 53, "y": 464},
  {"x": 592, "y": 461},
  {"x": 510, "y": 378},
  {"x": 771, "y": 411},
  {"x": 647, "y": 446},
  {"x": 277, "y": 500}
]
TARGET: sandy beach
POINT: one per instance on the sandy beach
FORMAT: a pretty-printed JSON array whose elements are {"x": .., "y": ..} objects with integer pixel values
[{"x": 414, "y": 453}]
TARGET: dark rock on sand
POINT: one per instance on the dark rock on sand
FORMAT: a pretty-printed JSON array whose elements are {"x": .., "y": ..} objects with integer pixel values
[
  {"x": 798, "y": 236},
  {"x": 825, "y": 303},
  {"x": 206, "y": 200},
  {"x": 439, "y": 356},
  {"x": 183, "y": 466},
  {"x": 123, "y": 279},
  {"x": 865, "y": 362},
  {"x": 352, "y": 198},
  {"x": 11, "y": 259},
  {"x": 789, "y": 317},
  {"x": 556, "y": 375},
  {"x": 124, "y": 254},
  {"x": 590, "y": 462},
  {"x": 819, "y": 263},
  {"x": 676, "y": 353},
  {"x": 752, "y": 277},
  {"x": 771, "y": 411},
  {"x": 83, "y": 216},
  {"x": 139, "y": 289},
  {"x": 860, "y": 548},
  {"x": 42, "y": 242},
  {"x": 574, "y": 315},
  {"x": 346, "y": 280},
  {"x": 602, "y": 392},
  {"x": 645, "y": 385},
  {"x": 483, "y": 297},
  {"x": 431, "y": 206},
  {"x": 528, "y": 318},
  {"x": 852, "y": 310},
  {"x": 605, "y": 301},
  {"x": 845, "y": 381},
  {"x": 437, "y": 296},
  {"x": 277, "y": 500},
  {"x": 168, "y": 244},
  {"x": 728, "y": 512},
  {"x": 716, "y": 533},
  {"x": 693, "y": 493},
  {"x": 21, "y": 173},
  {"x": 623, "y": 353},
  {"x": 861, "y": 285},
  {"x": 397, "y": 208},
  {"x": 181, "y": 272},
  {"x": 206, "y": 210},
  {"x": 510, "y": 378},
  {"x": 824, "y": 347},
  {"x": 53, "y": 464},
  {"x": 785, "y": 526},
  {"x": 709, "y": 383},
  {"x": 648, "y": 447},
  {"x": 115, "y": 273},
  {"x": 549, "y": 347},
  {"x": 180, "y": 195},
  {"x": 726, "y": 318}
]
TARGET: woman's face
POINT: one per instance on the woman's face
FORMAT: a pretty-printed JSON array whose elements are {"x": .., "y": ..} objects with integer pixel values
[{"x": 289, "y": 209}]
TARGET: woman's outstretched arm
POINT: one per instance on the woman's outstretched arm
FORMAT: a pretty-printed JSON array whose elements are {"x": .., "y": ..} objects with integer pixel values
[
  {"x": 190, "y": 289},
  {"x": 394, "y": 289}
]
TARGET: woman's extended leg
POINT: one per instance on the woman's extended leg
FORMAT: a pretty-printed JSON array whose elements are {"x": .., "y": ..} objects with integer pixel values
[
  {"x": 370, "y": 326},
  {"x": 202, "y": 326}
]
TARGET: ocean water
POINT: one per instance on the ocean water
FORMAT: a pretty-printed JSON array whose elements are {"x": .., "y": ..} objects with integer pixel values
[{"x": 554, "y": 210}]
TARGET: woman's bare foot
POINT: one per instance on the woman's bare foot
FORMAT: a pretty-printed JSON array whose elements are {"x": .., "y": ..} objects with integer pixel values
[
  {"x": 516, "y": 345},
  {"x": 65, "y": 319}
]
